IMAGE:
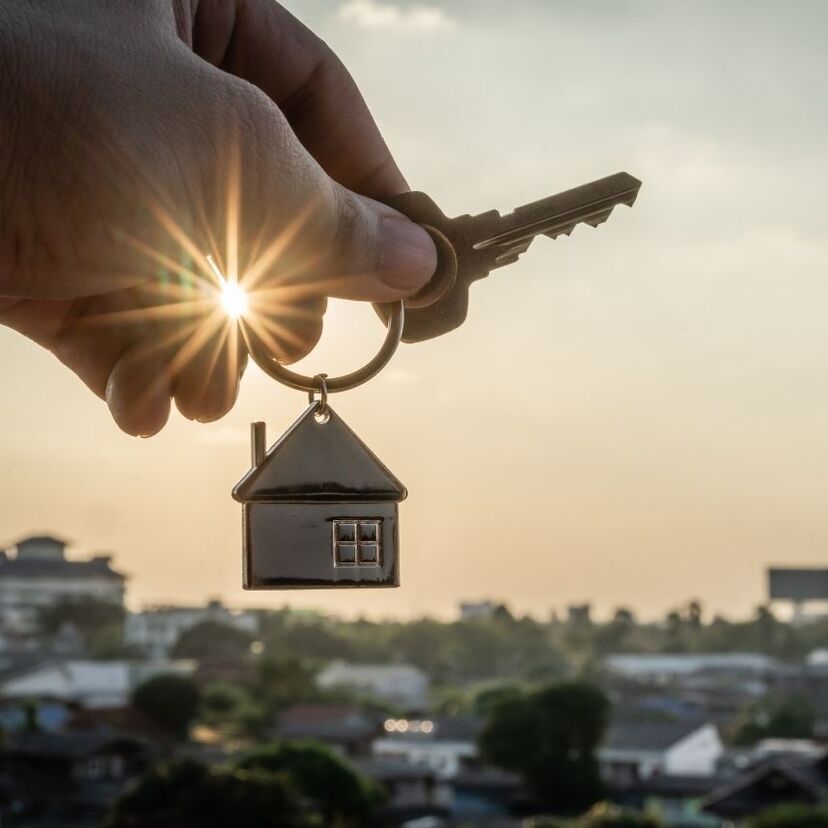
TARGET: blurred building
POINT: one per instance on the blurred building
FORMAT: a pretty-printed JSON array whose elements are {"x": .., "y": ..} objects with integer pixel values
[
  {"x": 402, "y": 685},
  {"x": 477, "y": 610},
  {"x": 637, "y": 749},
  {"x": 90, "y": 684},
  {"x": 156, "y": 630},
  {"x": 39, "y": 575},
  {"x": 348, "y": 729},
  {"x": 445, "y": 744}
]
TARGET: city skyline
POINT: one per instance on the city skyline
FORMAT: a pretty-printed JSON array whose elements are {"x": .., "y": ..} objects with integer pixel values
[{"x": 633, "y": 416}]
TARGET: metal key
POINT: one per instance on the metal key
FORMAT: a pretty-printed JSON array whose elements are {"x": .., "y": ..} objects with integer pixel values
[{"x": 470, "y": 247}]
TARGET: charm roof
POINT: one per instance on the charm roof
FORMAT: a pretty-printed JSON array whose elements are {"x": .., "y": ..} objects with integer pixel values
[{"x": 319, "y": 461}]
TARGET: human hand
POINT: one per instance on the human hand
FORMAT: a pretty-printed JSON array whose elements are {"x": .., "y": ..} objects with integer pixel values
[{"x": 135, "y": 137}]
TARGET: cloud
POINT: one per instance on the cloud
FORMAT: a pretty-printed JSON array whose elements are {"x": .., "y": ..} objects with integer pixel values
[{"x": 375, "y": 14}]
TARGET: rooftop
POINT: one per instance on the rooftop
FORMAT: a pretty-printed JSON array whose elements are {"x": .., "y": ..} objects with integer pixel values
[{"x": 648, "y": 734}]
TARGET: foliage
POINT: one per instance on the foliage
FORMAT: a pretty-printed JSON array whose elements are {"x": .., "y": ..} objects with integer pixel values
[
  {"x": 791, "y": 816},
  {"x": 188, "y": 794},
  {"x": 341, "y": 795},
  {"x": 281, "y": 681},
  {"x": 230, "y": 707},
  {"x": 170, "y": 700},
  {"x": 212, "y": 640},
  {"x": 785, "y": 717},
  {"x": 88, "y": 615},
  {"x": 605, "y": 815},
  {"x": 550, "y": 736}
]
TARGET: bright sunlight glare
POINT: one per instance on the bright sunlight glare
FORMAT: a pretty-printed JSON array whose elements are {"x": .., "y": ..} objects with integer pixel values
[{"x": 233, "y": 298}]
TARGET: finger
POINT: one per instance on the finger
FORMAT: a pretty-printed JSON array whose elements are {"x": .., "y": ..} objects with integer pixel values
[
  {"x": 298, "y": 228},
  {"x": 261, "y": 42},
  {"x": 208, "y": 370},
  {"x": 138, "y": 390}
]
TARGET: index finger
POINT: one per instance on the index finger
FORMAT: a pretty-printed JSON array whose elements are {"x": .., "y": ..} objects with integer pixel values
[{"x": 261, "y": 42}]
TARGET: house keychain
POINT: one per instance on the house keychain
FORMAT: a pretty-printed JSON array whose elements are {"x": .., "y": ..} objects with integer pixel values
[{"x": 319, "y": 509}]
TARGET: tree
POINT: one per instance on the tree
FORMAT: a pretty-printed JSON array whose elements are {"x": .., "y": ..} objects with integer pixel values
[
  {"x": 229, "y": 707},
  {"x": 342, "y": 796},
  {"x": 88, "y": 615},
  {"x": 550, "y": 737},
  {"x": 785, "y": 717},
  {"x": 212, "y": 640},
  {"x": 605, "y": 815},
  {"x": 284, "y": 681},
  {"x": 188, "y": 794},
  {"x": 791, "y": 816},
  {"x": 170, "y": 700}
]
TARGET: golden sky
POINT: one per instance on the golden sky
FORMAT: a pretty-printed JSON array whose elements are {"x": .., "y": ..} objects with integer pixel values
[{"x": 634, "y": 415}]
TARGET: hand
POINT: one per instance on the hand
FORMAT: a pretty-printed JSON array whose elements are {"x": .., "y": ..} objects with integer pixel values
[{"x": 136, "y": 137}]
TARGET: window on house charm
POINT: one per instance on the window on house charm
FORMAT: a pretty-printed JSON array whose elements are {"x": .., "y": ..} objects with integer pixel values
[{"x": 357, "y": 542}]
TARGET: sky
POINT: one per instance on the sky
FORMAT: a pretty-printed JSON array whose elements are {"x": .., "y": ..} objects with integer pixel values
[{"x": 635, "y": 415}]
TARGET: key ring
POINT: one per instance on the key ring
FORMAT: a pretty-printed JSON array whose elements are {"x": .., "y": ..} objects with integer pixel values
[
  {"x": 302, "y": 382},
  {"x": 322, "y": 402}
]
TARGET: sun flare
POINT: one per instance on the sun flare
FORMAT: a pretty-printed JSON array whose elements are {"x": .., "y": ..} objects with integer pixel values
[{"x": 234, "y": 299}]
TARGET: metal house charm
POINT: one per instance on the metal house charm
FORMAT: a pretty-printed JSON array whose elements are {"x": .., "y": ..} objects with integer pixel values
[{"x": 319, "y": 509}]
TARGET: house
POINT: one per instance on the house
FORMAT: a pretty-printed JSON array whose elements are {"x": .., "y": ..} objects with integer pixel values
[
  {"x": 87, "y": 683},
  {"x": 402, "y": 685},
  {"x": 477, "y": 610},
  {"x": 639, "y": 748},
  {"x": 445, "y": 744},
  {"x": 676, "y": 800},
  {"x": 775, "y": 782},
  {"x": 69, "y": 778},
  {"x": 39, "y": 575},
  {"x": 155, "y": 631},
  {"x": 668, "y": 668},
  {"x": 348, "y": 729},
  {"x": 319, "y": 509},
  {"x": 411, "y": 792}
]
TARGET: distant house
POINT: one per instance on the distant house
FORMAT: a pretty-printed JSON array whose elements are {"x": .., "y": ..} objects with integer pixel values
[
  {"x": 156, "y": 630},
  {"x": 776, "y": 782},
  {"x": 446, "y": 744},
  {"x": 666, "y": 668},
  {"x": 401, "y": 685},
  {"x": 40, "y": 575},
  {"x": 477, "y": 610},
  {"x": 69, "y": 778},
  {"x": 346, "y": 728},
  {"x": 637, "y": 749},
  {"x": 87, "y": 683}
]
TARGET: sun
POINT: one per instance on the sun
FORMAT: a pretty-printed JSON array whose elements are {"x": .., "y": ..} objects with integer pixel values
[
  {"x": 232, "y": 295},
  {"x": 234, "y": 299}
]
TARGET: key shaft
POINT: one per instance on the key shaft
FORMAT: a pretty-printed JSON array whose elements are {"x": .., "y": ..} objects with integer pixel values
[{"x": 470, "y": 247}]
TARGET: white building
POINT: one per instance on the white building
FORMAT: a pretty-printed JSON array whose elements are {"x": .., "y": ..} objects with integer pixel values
[
  {"x": 156, "y": 630},
  {"x": 88, "y": 683},
  {"x": 444, "y": 745},
  {"x": 402, "y": 685},
  {"x": 669, "y": 667},
  {"x": 40, "y": 575},
  {"x": 639, "y": 749},
  {"x": 477, "y": 610}
]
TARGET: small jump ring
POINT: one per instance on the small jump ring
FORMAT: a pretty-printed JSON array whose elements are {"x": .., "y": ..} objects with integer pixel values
[
  {"x": 267, "y": 362},
  {"x": 322, "y": 402}
]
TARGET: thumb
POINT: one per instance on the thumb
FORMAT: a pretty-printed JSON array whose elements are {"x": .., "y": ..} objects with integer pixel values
[
  {"x": 353, "y": 247},
  {"x": 376, "y": 253}
]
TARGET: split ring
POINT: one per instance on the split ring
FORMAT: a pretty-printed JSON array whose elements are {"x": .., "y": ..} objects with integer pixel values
[{"x": 329, "y": 385}]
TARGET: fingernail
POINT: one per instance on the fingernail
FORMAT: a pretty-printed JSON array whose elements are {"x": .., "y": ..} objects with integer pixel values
[{"x": 408, "y": 257}]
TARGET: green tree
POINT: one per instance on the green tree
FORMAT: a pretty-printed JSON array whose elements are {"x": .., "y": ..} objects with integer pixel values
[
  {"x": 188, "y": 794},
  {"x": 230, "y": 708},
  {"x": 605, "y": 815},
  {"x": 88, "y": 615},
  {"x": 170, "y": 700},
  {"x": 283, "y": 681},
  {"x": 785, "y": 717},
  {"x": 343, "y": 797},
  {"x": 550, "y": 737},
  {"x": 791, "y": 816},
  {"x": 212, "y": 640}
]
